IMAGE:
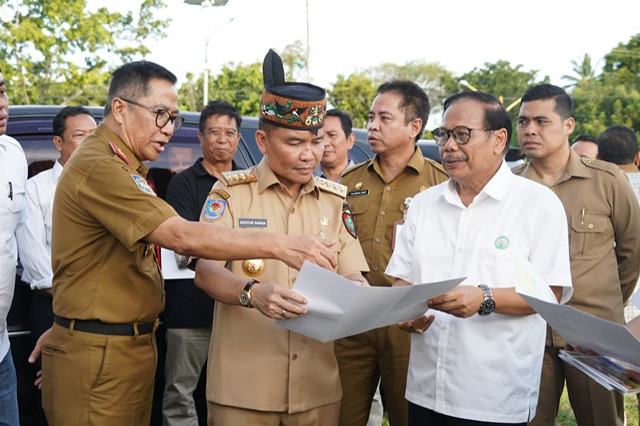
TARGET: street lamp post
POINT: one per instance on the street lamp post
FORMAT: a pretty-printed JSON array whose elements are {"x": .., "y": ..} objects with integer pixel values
[
  {"x": 206, "y": 61},
  {"x": 205, "y": 4}
]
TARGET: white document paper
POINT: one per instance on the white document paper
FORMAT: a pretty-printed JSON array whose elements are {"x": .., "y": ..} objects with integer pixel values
[
  {"x": 338, "y": 307},
  {"x": 589, "y": 332},
  {"x": 170, "y": 269}
]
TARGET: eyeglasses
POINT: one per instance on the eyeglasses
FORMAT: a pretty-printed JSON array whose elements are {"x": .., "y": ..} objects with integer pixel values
[
  {"x": 461, "y": 135},
  {"x": 162, "y": 115}
]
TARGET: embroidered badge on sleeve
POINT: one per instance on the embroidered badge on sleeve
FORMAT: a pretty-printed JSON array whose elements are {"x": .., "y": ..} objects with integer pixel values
[
  {"x": 347, "y": 219},
  {"x": 143, "y": 184},
  {"x": 214, "y": 209}
]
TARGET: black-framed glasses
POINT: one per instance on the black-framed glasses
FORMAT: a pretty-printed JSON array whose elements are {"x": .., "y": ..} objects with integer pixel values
[
  {"x": 162, "y": 115},
  {"x": 461, "y": 135}
]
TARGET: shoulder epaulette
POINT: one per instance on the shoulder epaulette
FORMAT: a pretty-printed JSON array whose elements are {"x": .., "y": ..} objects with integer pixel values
[
  {"x": 601, "y": 165},
  {"x": 518, "y": 169},
  {"x": 435, "y": 164},
  {"x": 331, "y": 186},
  {"x": 236, "y": 177},
  {"x": 356, "y": 167}
]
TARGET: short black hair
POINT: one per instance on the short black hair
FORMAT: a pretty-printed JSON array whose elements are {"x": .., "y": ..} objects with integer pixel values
[
  {"x": 618, "y": 145},
  {"x": 60, "y": 120},
  {"x": 132, "y": 81},
  {"x": 585, "y": 138},
  {"x": 218, "y": 107},
  {"x": 414, "y": 103},
  {"x": 495, "y": 116},
  {"x": 345, "y": 120},
  {"x": 564, "y": 104}
]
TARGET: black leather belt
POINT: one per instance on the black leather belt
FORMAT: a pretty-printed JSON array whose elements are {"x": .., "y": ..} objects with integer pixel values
[{"x": 99, "y": 327}]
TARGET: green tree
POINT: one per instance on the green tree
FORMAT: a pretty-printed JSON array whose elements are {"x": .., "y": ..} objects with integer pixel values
[
  {"x": 582, "y": 72},
  {"x": 432, "y": 77},
  {"x": 241, "y": 85},
  {"x": 293, "y": 59},
  {"x": 614, "y": 97},
  {"x": 502, "y": 80},
  {"x": 58, "y": 52},
  {"x": 354, "y": 94}
]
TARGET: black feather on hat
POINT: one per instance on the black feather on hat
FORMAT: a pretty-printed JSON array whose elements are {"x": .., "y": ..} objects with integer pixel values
[{"x": 297, "y": 106}]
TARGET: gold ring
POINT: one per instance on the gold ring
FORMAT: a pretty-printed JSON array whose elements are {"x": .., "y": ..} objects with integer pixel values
[{"x": 284, "y": 314}]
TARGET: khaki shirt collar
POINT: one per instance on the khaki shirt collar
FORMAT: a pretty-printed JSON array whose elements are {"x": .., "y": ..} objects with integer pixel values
[
  {"x": 575, "y": 168},
  {"x": 104, "y": 132},
  {"x": 266, "y": 179},
  {"x": 416, "y": 162},
  {"x": 628, "y": 168}
]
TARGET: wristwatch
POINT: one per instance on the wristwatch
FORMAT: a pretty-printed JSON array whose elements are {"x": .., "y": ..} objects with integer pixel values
[
  {"x": 488, "y": 304},
  {"x": 245, "y": 296}
]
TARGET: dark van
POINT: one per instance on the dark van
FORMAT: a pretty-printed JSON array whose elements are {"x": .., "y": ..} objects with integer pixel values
[{"x": 32, "y": 127}]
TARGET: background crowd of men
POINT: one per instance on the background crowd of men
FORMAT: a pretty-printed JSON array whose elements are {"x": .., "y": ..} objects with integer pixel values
[{"x": 479, "y": 356}]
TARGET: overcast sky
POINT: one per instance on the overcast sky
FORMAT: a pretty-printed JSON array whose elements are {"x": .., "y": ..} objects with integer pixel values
[{"x": 350, "y": 35}]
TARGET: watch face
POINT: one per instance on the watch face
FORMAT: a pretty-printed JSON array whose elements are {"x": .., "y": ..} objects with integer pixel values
[
  {"x": 244, "y": 299},
  {"x": 487, "y": 307}
]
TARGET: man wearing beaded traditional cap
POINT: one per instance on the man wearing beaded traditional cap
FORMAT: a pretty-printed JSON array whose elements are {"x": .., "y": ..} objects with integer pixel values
[{"x": 260, "y": 373}]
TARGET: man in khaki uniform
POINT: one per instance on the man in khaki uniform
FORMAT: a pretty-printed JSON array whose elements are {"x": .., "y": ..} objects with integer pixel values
[
  {"x": 379, "y": 194},
  {"x": 100, "y": 355},
  {"x": 260, "y": 373},
  {"x": 604, "y": 243}
]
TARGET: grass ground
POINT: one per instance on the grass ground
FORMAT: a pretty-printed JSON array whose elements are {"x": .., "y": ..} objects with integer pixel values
[{"x": 565, "y": 416}]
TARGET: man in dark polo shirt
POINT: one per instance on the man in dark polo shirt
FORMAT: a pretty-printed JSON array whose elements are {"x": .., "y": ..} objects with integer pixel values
[
  {"x": 100, "y": 356},
  {"x": 188, "y": 310}
]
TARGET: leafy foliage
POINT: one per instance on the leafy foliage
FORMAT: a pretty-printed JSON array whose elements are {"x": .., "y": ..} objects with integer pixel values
[{"x": 58, "y": 52}]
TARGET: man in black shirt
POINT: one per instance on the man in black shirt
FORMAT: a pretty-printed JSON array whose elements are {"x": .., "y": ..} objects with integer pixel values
[{"x": 189, "y": 311}]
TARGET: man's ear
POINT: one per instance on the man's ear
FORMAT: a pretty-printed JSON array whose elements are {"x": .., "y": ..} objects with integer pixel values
[
  {"x": 500, "y": 140},
  {"x": 261, "y": 140},
  {"x": 636, "y": 159},
  {"x": 117, "y": 109},
  {"x": 57, "y": 141},
  {"x": 416, "y": 126},
  {"x": 351, "y": 140}
]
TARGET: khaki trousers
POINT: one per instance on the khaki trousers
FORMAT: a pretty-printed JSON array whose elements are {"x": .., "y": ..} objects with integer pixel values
[
  {"x": 365, "y": 358},
  {"x": 95, "y": 379},
  {"x": 592, "y": 404},
  {"x": 224, "y": 415}
]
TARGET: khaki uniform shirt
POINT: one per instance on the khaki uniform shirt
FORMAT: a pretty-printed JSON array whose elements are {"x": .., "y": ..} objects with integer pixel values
[
  {"x": 103, "y": 207},
  {"x": 377, "y": 205},
  {"x": 604, "y": 234},
  {"x": 253, "y": 363}
]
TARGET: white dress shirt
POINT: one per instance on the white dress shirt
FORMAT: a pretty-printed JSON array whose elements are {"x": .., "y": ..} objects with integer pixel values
[
  {"x": 483, "y": 368},
  {"x": 34, "y": 239},
  {"x": 13, "y": 212}
]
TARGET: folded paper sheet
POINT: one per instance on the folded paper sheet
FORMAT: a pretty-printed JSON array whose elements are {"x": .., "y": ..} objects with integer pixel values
[
  {"x": 338, "y": 308},
  {"x": 589, "y": 332}
]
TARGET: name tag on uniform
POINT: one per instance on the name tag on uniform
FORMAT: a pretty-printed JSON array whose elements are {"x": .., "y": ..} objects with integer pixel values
[
  {"x": 358, "y": 193},
  {"x": 245, "y": 222}
]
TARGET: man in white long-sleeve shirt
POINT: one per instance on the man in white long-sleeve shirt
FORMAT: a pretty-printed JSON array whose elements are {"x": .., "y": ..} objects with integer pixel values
[
  {"x": 70, "y": 127},
  {"x": 13, "y": 180}
]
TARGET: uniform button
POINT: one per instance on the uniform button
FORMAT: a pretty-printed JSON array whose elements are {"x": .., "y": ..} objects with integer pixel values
[
  {"x": 459, "y": 249},
  {"x": 388, "y": 188},
  {"x": 383, "y": 213},
  {"x": 375, "y": 268},
  {"x": 590, "y": 226},
  {"x": 378, "y": 240},
  {"x": 293, "y": 210},
  {"x": 293, "y": 280},
  {"x": 553, "y": 188},
  {"x": 294, "y": 357}
]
